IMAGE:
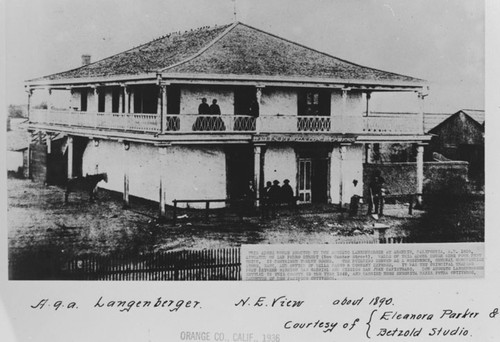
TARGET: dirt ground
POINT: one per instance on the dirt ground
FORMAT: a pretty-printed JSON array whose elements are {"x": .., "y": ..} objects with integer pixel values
[{"x": 38, "y": 219}]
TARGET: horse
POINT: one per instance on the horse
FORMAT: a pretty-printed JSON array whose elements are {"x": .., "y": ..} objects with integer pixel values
[{"x": 87, "y": 183}]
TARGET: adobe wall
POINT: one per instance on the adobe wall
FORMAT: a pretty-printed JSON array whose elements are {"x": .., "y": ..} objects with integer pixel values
[
  {"x": 14, "y": 160},
  {"x": 274, "y": 100},
  {"x": 280, "y": 163},
  {"x": 190, "y": 172},
  {"x": 191, "y": 98},
  {"x": 278, "y": 101},
  {"x": 352, "y": 168},
  {"x": 401, "y": 178},
  {"x": 108, "y": 99},
  {"x": 91, "y": 100},
  {"x": 355, "y": 103}
]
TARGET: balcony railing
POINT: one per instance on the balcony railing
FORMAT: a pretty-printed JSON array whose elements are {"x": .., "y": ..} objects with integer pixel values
[
  {"x": 393, "y": 123},
  {"x": 194, "y": 123}
]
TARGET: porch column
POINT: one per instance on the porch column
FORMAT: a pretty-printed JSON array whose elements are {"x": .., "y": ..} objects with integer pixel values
[
  {"x": 131, "y": 100},
  {"x": 121, "y": 101},
  {"x": 421, "y": 95},
  {"x": 49, "y": 95},
  {"x": 163, "y": 201},
  {"x": 49, "y": 143},
  {"x": 70, "y": 156},
  {"x": 164, "y": 100},
  {"x": 126, "y": 188},
  {"x": 30, "y": 93},
  {"x": 368, "y": 97},
  {"x": 95, "y": 145},
  {"x": 368, "y": 154},
  {"x": 258, "y": 97},
  {"x": 96, "y": 99},
  {"x": 257, "y": 171},
  {"x": 343, "y": 152},
  {"x": 343, "y": 122},
  {"x": 159, "y": 97},
  {"x": 162, "y": 107},
  {"x": 128, "y": 95},
  {"x": 420, "y": 173},
  {"x": 70, "y": 101},
  {"x": 328, "y": 178}
]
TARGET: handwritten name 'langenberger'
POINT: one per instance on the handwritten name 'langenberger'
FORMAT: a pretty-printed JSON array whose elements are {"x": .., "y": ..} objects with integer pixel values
[{"x": 126, "y": 305}]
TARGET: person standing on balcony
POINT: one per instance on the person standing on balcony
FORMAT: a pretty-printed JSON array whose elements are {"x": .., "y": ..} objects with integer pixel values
[
  {"x": 253, "y": 110},
  {"x": 203, "y": 108},
  {"x": 214, "y": 108}
]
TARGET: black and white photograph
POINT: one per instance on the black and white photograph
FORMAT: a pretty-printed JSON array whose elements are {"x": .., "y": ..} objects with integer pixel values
[{"x": 237, "y": 140}]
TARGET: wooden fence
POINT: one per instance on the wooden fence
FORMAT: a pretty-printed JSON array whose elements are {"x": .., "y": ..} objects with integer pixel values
[
  {"x": 213, "y": 264},
  {"x": 209, "y": 264}
]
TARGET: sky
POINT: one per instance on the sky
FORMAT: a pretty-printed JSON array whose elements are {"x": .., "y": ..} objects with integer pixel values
[{"x": 441, "y": 41}]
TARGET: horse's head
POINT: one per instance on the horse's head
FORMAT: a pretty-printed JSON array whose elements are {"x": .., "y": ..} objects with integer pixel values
[{"x": 104, "y": 177}]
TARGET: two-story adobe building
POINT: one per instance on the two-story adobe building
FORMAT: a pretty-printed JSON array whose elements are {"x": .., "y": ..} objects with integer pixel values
[{"x": 287, "y": 112}]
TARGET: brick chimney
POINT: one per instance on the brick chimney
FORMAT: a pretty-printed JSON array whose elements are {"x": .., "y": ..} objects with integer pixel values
[{"x": 85, "y": 59}]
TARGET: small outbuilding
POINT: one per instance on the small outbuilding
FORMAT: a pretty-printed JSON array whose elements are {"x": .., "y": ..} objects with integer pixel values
[{"x": 461, "y": 137}]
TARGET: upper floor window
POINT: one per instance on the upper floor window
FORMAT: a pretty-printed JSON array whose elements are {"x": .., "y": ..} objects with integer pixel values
[
  {"x": 101, "y": 100},
  {"x": 83, "y": 100},
  {"x": 146, "y": 99},
  {"x": 115, "y": 99},
  {"x": 315, "y": 102},
  {"x": 245, "y": 101}
]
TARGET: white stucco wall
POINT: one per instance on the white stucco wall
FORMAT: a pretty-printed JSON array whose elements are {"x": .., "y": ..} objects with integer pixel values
[
  {"x": 354, "y": 103},
  {"x": 337, "y": 104},
  {"x": 14, "y": 160},
  {"x": 280, "y": 163},
  {"x": 75, "y": 100},
  {"x": 108, "y": 99},
  {"x": 278, "y": 101},
  {"x": 352, "y": 168},
  {"x": 191, "y": 98},
  {"x": 195, "y": 172}
]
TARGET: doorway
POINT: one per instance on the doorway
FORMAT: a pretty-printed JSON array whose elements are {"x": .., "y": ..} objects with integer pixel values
[
  {"x": 313, "y": 180},
  {"x": 239, "y": 170}
]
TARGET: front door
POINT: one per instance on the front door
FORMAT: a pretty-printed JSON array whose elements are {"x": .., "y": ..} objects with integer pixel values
[
  {"x": 305, "y": 176},
  {"x": 313, "y": 180}
]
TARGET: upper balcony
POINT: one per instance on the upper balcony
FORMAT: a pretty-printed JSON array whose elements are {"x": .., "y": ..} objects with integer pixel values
[{"x": 381, "y": 124}]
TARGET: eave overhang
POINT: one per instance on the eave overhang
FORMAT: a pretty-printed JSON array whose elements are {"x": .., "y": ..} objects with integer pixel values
[{"x": 217, "y": 79}]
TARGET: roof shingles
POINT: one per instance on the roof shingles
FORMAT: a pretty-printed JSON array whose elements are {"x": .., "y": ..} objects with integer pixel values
[
  {"x": 149, "y": 57},
  {"x": 236, "y": 49}
]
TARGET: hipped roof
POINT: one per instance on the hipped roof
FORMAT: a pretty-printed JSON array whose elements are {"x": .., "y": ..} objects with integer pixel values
[{"x": 231, "y": 50}]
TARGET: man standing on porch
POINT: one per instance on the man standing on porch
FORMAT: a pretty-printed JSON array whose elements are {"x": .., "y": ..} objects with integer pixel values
[
  {"x": 355, "y": 199},
  {"x": 377, "y": 193}
]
